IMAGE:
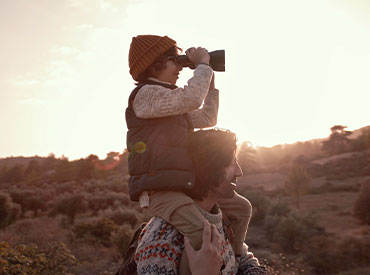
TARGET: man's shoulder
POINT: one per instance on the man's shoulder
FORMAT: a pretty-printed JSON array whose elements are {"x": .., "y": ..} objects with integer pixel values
[
  {"x": 159, "y": 229},
  {"x": 160, "y": 244}
]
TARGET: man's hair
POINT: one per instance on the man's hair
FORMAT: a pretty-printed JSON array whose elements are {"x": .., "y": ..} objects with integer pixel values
[
  {"x": 158, "y": 65},
  {"x": 211, "y": 152}
]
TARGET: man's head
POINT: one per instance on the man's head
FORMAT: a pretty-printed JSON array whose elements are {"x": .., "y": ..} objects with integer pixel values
[
  {"x": 153, "y": 56},
  {"x": 215, "y": 165}
]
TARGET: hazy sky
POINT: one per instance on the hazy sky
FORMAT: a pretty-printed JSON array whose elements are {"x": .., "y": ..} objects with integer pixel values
[{"x": 293, "y": 68}]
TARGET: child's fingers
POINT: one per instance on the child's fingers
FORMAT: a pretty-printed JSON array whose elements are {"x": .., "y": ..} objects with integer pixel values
[
  {"x": 207, "y": 234},
  {"x": 216, "y": 238}
]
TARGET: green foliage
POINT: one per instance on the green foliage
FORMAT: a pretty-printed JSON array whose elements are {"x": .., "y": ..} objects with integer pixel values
[
  {"x": 13, "y": 174},
  {"x": 122, "y": 216},
  {"x": 103, "y": 200},
  {"x": 362, "y": 204},
  {"x": 96, "y": 232},
  {"x": 123, "y": 238},
  {"x": 297, "y": 183},
  {"x": 292, "y": 232},
  {"x": 70, "y": 205},
  {"x": 279, "y": 209},
  {"x": 29, "y": 259},
  {"x": 330, "y": 255},
  {"x": 28, "y": 200},
  {"x": 8, "y": 211},
  {"x": 260, "y": 205}
]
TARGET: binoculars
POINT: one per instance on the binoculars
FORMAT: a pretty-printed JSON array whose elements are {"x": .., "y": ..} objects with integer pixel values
[{"x": 216, "y": 61}]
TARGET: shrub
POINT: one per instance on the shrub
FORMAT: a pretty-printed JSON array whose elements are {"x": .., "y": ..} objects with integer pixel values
[
  {"x": 8, "y": 211},
  {"x": 123, "y": 238},
  {"x": 39, "y": 231},
  {"x": 56, "y": 258},
  {"x": 100, "y": 232},
  {"x": 362, "y": 204},
  {"x": 122, "y": 216},
  {"x": 279, "y": 209},
  {"x": 260, "y": 203},
  {"x": 292, "y": 232},
  {"x": 103, "y": 200},
  {"x": 28, "y": 200},
  {"x": 330, "y": 254},
  {"x": 70, "y": 205},
  {"x": 297, "y": 183},
  {"x": 322, "y": 256}
]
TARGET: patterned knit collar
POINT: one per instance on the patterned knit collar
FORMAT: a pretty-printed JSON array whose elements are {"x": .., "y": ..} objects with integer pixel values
[{"x": 212, "y": 218}]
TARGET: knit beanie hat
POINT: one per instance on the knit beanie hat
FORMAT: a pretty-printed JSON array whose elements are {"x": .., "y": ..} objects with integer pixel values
[{"x": 144, "y": 51}]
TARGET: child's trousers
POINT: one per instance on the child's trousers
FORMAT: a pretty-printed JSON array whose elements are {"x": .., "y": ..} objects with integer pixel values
[{"x": 180, "y": 210}]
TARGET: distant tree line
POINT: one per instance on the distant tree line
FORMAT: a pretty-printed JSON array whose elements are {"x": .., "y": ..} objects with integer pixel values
[
  {"x": 53, "y": 169},
  {"x": 280, "y": 158}
]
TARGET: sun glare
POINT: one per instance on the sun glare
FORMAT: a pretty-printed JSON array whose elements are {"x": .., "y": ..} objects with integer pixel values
[{"x": 288, "y": 77}]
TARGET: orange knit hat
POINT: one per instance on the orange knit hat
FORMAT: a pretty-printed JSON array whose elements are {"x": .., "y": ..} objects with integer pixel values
[{"x": 144, "y": 51}]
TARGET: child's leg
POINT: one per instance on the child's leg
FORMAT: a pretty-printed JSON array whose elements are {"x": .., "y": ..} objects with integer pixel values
[
  {"x": 180, "y": 211},
  {"x": 238, "y": 209}
]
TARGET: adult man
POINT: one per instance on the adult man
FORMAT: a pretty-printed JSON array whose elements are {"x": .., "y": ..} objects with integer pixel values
[{"x": 216, "y": 169}]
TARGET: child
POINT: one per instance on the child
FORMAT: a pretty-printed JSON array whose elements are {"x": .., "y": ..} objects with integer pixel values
[{"x": 159, "y": 117}]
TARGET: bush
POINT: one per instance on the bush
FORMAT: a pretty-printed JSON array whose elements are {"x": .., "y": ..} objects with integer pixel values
[
  {"x": 260, "y": 203},
  {"x": 279, "y": 209},
  {"x": 103, "y": 200},
  {"x": 123, "y": 238},
  {"x": 329, "y": 255},
  {"x": 70, "y": 206},
  {"x": 297, "y": 183},
  {"x": 96, "y": 232},
  {"x": 8, "y": 211},
  {"x": 362, "y": 204},
  {"x": 291, "y": 232},
  {"x": 322, "y": 256},
  {"x": 56, "y": 258},
  {"x": 122, "y": 216},
  {"x": 28, "y": 200}
]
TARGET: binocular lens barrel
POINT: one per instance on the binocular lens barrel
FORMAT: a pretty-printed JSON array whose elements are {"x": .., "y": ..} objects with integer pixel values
[{"x": 216, "y": 62}]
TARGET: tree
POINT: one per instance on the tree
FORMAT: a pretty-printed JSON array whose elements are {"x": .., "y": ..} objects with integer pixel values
[
  {"x": 13, "y": 174},
  {"x": 362, "y": 204},
  {"x": 8, "y": 211},
  {"x": 338, "y": 140},
  {"x": 70, "y": 206},
  {"x": 246, "y": 157},
  {"x": 28, "y": 200},
  {"x": 297, "y": 183}
]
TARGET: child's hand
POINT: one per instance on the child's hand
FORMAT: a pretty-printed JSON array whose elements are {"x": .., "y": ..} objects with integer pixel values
[
  {"x": 212, "y": 84},
  {"x": 198, "y": 55},
  {"x": 207, "y": 260}
]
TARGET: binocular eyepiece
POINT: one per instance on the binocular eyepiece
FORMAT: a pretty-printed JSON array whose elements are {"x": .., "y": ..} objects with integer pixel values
[{"x": 216, "y": 61}]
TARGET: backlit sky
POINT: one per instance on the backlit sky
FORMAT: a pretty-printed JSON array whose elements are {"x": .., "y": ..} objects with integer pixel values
[{"x": 293, "y": 68}]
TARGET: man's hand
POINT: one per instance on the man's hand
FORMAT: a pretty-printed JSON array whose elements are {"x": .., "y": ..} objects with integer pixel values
[
  {"x": 198, "y": 55},
  {"x": 207, "y": 260}
]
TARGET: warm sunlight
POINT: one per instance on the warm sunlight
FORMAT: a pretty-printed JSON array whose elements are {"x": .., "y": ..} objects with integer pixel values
[{"x": 293, "y": 68}]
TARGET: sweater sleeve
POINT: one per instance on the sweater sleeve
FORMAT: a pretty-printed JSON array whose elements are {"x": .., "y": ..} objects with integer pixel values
[
  {"x": 159, "y": 249},
  {"x": 153, "y": 101},
  {"x": 207, "y": 115},
  {"x": 248, "y": 264}
]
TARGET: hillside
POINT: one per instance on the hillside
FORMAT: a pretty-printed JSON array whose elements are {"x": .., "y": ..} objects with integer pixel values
[{"x": 75, "y": 217}]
